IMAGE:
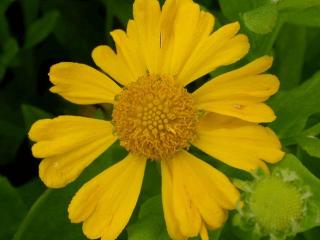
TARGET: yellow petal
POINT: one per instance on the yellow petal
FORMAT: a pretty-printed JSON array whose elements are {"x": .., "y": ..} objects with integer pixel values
[
  {"x": 195, "y": 195},
  {"x": 256, "y": 67},
  {"x": 128, "y": 52},
  {"x": 167, "y": 201},
  {"x": 186, "y": 211},
  {"x": 242, "y": 107},
  {"x": 205, "y": 181},
  {"x": 176, "y": 43},
  {"x": 82, "y": 84},
  {"x": 212, "y": 121},
  {"x": 204, "y": 233},
  {"x": 239, "y": 93},
  {"x": 263, "y": 85},
  {"x": 182, "y": 217},
  {"x": 242, "y": 147},
  {"x": 147, "y": 21},
  {"x": 106, "y": 59},
  {"x": 68, "y": 145},
  {"x": 221, "y": 48},
  {"x": 106, "y": 203}
]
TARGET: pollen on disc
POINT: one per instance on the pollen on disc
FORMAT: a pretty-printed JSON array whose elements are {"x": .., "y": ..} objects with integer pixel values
[{"x": 154, "y": 117}]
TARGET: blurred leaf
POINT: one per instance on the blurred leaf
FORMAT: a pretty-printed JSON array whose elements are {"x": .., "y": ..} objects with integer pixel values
[
  {"x": 150, "y": 224},
  {"x": 4, "y": 29},
  {"x": 261, "y": 20},
  {"x": 10, "y": 48},
  {"x": 121, "y": 11},
  {"x": 297, "y": 4},
  {"x": 307, "y": 17},
  {"x": 294, "y": 107},
  {"x": 313, "y": 131},
  {"x": 79, "y": 28},
  {"x": 312, "y": 234},
  {"x": 30, "y": 10},
  {"x": 233, "y": 8},
  {"x": 312, "y": 55},
  {"x": 289, "y": 55},
  {"x": 11, "y": 136},
  {"x": 4, "y": 4},
  {"x": 31, "y": 191},
  {"x": 32, "y": 114},
  {"x": 48, "y": 217},
  {"x": 40, "y": 29},
  {"x": 12, "y": 209},
  {"x": 310, "y": 144},
  {"x": 258, "y": 20},
  {"x": 152, "y": 181}
]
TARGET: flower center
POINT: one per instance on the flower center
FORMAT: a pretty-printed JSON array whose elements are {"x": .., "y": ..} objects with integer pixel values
[
  {"x": 154, "y": 117},
  {"x": 276, "y": 204}
]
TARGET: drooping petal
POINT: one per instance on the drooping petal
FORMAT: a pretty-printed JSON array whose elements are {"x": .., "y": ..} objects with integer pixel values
[
  {"x": 195, "y": 196},
  {"x": 222, "y": 47},
  {"x": 167, "y": 201},
  {"x": 240, "y": 93},
  {"x": 147, "y": 23},
  {"x": 68, "y": 145},
  {"x": 105, "y": 203},
  {"x": 177, "y": 44},
  {"x": 240, "y": 145},
  {"x": 81, "y": 84}
]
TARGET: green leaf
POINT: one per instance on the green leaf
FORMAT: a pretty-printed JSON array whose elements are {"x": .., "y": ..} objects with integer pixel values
[
  {"x": 289, "y": 55},
  {"x": 31, "y": 191},
  {"x": 312, "y": 234},
  {"x": 310, "y": 144},
  {"x": 48, "y": 220},
  {"x": 232, "y": 8},
  {"x": 32, "y": 114},
  {"x": 294, "y": 107},
  {"x": 261, "y": 20},
  {"x": 30, "y": 10},
  {"x": 10, "y": 49},
  {"x": 40, "y": 29},
  {"x": 12, "y": 209},
  {"x": 152, "y": 181},
  {"x": 312, "y": 131},
  {"x": 307, "y": 17},
  {"x": 150, "y": 224},
  {"x": 11, "y": 137},
  {"x": 297, "y": 4},
  {"x": 4, "y": 4}
]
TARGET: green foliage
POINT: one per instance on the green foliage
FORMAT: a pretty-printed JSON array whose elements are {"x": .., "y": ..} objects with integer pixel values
[
  {"x": 294, "y": 107},
  {"x": 267, "y": 15},
  {"x": 150, "y": 224},
  {"x": 50, "y": 210},
  {"x": 40, "y": 29},
  {"x": 12, "y": 208},
  {"x": 11, "y": 136}
]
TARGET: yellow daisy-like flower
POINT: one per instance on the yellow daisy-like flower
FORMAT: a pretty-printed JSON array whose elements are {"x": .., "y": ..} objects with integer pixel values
[{"x": 155, "y": 118}]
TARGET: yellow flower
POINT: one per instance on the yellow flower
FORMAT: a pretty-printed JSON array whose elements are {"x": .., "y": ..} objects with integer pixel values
[{"x": 155, "y": 118}]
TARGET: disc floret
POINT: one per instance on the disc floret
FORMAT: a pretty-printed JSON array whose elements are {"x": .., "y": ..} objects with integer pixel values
[{"x": 154, "y": 117}]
